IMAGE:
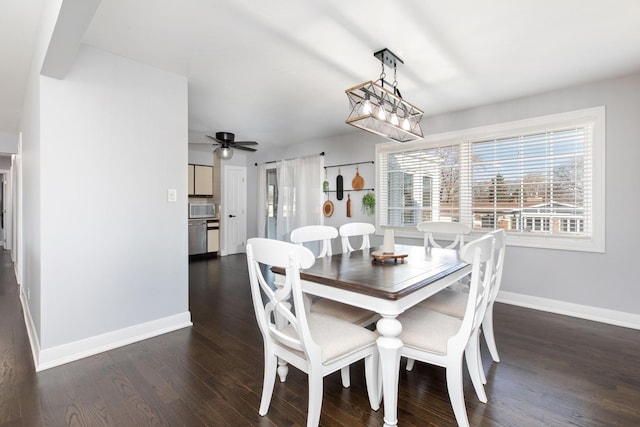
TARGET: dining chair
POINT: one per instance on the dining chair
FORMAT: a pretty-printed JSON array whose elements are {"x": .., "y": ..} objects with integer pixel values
[
  {"x": 359, "y": 316},
  {"x": 453, "y": 303},
  {"x": 315, "y": 343},
  {"x": 354, "y": 229},
  {"x": 324, "y": 234},
  {"x": 315, "y": 233},
  {"x": 500, "y": 245},
  {"x": 437, "y": 231},
  {"x": 441, "y": 340}
]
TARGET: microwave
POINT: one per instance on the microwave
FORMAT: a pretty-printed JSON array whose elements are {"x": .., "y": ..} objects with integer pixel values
[{"x": 202, "y": 210}]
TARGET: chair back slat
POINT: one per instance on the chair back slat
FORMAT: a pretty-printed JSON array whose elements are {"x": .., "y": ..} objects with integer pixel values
[
  {"x": 315, "y": 233},
  {"x": 499, "y": 249},
  {"x": 441, "y": 230},
  {"x": 353, "y": 229}
]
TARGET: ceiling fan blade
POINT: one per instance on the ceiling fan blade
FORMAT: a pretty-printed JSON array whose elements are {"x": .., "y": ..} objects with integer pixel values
[
  {"x": 241, "y": 147},
  {"x": 245, "y": 142}
]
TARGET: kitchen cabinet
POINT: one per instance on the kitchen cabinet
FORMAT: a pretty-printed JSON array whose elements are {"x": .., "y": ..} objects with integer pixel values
[
  {"x": 200, "y": 180},
  {"x": 191, "y": 171}
]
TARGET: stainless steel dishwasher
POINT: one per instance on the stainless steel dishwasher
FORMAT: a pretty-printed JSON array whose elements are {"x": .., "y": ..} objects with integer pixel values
[{"x": 197, "y": 236}]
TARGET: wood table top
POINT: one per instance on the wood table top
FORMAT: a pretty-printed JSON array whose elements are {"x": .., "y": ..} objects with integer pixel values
[{"x": 356, "y": 272}]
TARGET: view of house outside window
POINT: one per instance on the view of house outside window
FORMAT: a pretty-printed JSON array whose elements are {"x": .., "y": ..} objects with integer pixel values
[{"x": 536, "y": 184}]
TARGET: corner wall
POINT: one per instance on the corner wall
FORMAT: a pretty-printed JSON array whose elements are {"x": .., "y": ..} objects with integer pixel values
[{"x": 113, "y": 258}]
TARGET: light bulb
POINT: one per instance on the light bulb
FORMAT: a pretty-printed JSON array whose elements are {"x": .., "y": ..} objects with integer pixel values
[
  {"x": 405, "y": 124},
  {"x": 366, "y": 107},
  {"x": 381, "y": 113},
  {"x": 394, "y": 119}
]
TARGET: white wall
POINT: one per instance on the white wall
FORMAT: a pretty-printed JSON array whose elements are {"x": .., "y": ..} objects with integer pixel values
[
  {"x": 603, "y": 284},
  {"x": 28, "y": 215},
  {"x": 114, "y": 251},
  {"x": 8, "y": 142},
  {"x": 101, "y": 255}
]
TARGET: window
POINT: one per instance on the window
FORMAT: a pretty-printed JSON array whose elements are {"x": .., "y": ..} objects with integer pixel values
[{"x": 541, "y": 180}]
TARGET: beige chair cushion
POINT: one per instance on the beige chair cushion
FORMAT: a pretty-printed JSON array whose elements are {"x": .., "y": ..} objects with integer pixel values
[
  {"x": 428, "y": 330},
  {"x": 447, "y": 301},
  {"x": 356, "y": 315},
  {"x": 335, "y": 337}
]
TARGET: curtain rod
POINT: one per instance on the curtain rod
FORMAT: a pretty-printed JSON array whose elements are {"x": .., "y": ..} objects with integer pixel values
[
  {"x": 274, "y": 161},
  {"x": 348, "y": 164}
]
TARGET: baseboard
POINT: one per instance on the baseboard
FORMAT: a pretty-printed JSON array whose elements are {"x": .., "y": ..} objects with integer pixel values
[
  {"x": 612, "y": 317},
  {"x": 32, "y": 333},
  {"x": 56, "y": 356}
]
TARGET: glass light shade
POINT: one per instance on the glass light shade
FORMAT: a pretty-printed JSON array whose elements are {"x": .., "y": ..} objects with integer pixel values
[
  {"x": 367, "y": 108},
  {"x": 225, "y": 153},
  {"x": 385, "y": 102},
  {"x": 394, "y": 119}
]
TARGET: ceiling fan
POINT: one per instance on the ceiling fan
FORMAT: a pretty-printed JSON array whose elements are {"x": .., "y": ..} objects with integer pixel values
[{"x": 227, "y": 142}]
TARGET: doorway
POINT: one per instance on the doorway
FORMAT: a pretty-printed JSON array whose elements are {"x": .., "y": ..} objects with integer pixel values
[
  {"x": 272, "y": 204},
  {"x": 234, "y": 209}
]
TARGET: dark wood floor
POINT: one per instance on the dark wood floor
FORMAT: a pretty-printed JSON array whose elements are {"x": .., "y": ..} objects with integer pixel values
[{"x": 555, "y": 371}]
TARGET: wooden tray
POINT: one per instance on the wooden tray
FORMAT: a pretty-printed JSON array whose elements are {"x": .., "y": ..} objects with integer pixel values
[{"x": 382, "y": 256}]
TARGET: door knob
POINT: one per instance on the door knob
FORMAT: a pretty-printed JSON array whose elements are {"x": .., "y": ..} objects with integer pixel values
[{"x": 231, "y": 216}]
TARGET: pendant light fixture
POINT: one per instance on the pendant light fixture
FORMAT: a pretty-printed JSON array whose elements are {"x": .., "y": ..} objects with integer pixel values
[{"x": 382, "y": 110}]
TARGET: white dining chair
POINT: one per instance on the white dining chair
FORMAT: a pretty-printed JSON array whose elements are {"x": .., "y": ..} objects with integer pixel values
[
  {"x": 315, "y": 343},
  {"x": 500, "y": 245},
  {"x": 453, "y": 303},
  {"x": 359, "y": 316},
  {"x": 435, "y": 232},
  {"x": 432, "y": 337},
  {"x": 324, "y": 234},
  {"x": 356, "y": 229},
  {"x": 315, "y": 233}
]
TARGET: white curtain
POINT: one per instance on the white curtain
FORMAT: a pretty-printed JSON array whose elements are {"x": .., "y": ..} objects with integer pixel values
[
  {"x": 261, "y": 202},
  {"x": 299, "y": 194}
]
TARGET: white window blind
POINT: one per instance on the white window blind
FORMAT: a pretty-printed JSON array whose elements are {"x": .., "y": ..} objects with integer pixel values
[
  {"x": 534, "y": 179},
  {"x": 419, "y": 185},
  {"x": 534, "y": 183}
]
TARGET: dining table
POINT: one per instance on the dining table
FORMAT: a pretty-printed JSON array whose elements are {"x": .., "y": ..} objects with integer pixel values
[{"x": 387, "y": 285}]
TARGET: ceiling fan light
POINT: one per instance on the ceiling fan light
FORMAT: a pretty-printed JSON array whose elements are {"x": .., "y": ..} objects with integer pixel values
[{"x": 225, "y": 153}]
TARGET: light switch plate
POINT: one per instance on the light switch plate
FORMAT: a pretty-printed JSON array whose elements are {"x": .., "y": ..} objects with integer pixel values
[{"x": 172, "y": 195}]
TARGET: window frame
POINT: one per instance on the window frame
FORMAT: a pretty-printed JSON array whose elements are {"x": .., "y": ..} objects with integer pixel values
[{"x": 594, "y": 116}]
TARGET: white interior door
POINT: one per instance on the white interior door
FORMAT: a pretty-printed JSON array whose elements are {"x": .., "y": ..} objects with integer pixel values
[{"x": 234, "y": 209}]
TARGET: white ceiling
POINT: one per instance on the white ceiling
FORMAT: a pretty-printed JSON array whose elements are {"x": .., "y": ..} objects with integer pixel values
[{"x": 275, "y": 71}]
